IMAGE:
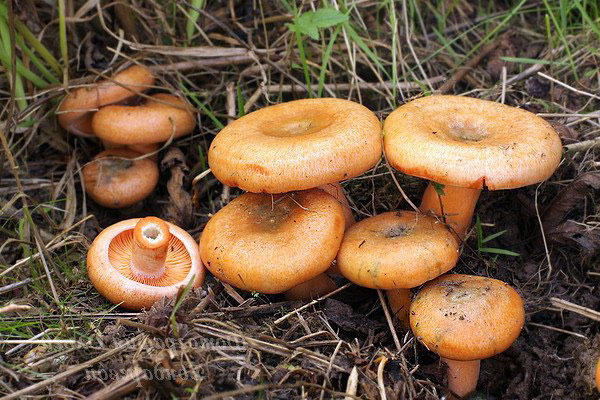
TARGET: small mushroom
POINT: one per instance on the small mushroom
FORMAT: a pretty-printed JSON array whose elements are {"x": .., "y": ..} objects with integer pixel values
[
  {"x": 396, "y": 251},
  {"x": 272, "y": 243},
  {"x": 467, "y": 144},
  {"x": 116, "y": 178},
  {"x": 136, "y": 262},
  {"x": 76, "y": 110},
  {"x": 155, "y": 120},
  {"x": 465, "y": 319},
  {"x": 598, "y": 375}
]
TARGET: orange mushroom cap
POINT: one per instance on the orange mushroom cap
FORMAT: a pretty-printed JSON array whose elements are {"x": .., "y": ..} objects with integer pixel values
[
  {"x": 114, "y": 179},
  {"x": 296, "y": 145},
  {"x": 75, "y": 111},
  {"x": 467, "y": 318},
  {"x": 396, "y": 250},
  {"x": 154, "y": 121},
  {"x": 467, "y": 142},
  {"x": 598, "y": 375},
  {"x": 138, "y": 261},
  {"x": 269, "y": 244}
]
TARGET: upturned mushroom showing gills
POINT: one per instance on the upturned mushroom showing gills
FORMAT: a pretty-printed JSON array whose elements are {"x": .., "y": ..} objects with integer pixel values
[
  {"x": 396, "y": 251},
  {"x": 76, "y": 110},
  {"x": 467, "y": 144},
  {"x": 136, "y": 262},
  {"x": 156, "y": 120},
  {"x": 116, "y": 178},
  {"x": 270, "y": 244},
  {"x": 465, "y": 319}
]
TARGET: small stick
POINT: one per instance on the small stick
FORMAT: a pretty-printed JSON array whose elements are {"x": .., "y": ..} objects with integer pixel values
[
  {"x": 286, "y": 316},
  {"x": 19, "y": 394},
  {"x": 464, "y": 70},
  {"x": 360, "y": 85},
  {"x": 388, "y": 317},
  {"x": 583, "y": 146},
  {"x": 552, "y": 328},
  {"x": 139, "y": 325},
  {"x": 380, "y": 383},
  {"x": 571, "y": 88},
  {"x": 122, "y": 387},
  {"x": 14, "y": 286},
  {"x": 352, "y": 384},
  {"x": 566, "y": 305}
]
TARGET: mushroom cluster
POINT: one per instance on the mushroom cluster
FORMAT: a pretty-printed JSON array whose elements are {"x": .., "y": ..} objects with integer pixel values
[
  {"x": 130, "y": 124},
  {"x": 294, "y": 223},
  {"x": 258, "y": 242}
]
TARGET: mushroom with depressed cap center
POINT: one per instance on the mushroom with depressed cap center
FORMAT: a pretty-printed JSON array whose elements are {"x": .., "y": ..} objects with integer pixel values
[
  {"x": 397, "y": 251},
  {"x": 136, "y": 262},
  {"x": 157, "y": 119},
  {"x": 297, "y": 145},
  {"x": 465, "y": 319},
  {"x": 272, "y": 243},
  {"x": 77, "y": 108},
  {"x": 119, "y": 178},
  {"x": 466, "y": 144}
]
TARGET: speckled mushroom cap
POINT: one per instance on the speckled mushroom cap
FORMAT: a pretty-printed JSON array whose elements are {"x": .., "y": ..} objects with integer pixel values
[
  {"x": 598, "y": 375},
  {"x": 396, "y": 250},
  {"x": 467, "y": 142},
  {"x": 296, "y": 145},
  {"x": 75, "y": 111},
  {"x": 467, "y": 318},
  {"x": 153, "y": 121},
  {"x": 270, "y": 244},
  {"x": 109, "y": 262},
  {"x": 114, "y": 179}
]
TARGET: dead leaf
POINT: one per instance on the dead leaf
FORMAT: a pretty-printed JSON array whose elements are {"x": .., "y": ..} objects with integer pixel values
[
  {"x": 179, "y": 211},
  {"x": 566, "y": 134},
  {"x": 495, "y": 63},
  {"x": 536, "y": 87},
  {"x": 553, "y": 218},
  {"x": 346, "y": 318}
]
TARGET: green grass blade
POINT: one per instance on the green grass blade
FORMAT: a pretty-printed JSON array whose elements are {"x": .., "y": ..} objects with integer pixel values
[
  {"x": 240, "y": 102},
  {"x": 492, "y": 250},
  {"x": 202, "y": 107},
  {"x": 33, "y": 42},
  {"x": 593, "y": 26},
  {"x": 192, "y": 18},
  {"x": 326, "y": 56},
  {"x": 187, "y": 288},
  {"x": 492, "y": 236},
  {"x": 363, "y": 46},
  {"x": 35, "y": 60}
]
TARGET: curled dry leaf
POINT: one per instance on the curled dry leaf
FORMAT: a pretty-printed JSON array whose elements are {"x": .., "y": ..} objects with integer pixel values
[
  {"x": 179, "y": 210},
  {"x": 564, "y": 231}
]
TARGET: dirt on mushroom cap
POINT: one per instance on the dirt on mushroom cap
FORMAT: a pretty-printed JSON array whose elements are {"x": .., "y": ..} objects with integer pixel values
[
  {"x": 269, "y": 244},
  {"x": 465, "y": 318},
  {"x": 396, "y": 250},
  {"x": 296, "y": 145},
  {"x": 468, "y": 142},
  {"x": 114, "y": 180}
]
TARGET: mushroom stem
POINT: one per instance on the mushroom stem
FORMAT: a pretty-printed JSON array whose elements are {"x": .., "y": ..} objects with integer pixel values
[
  {"x": 312, "y": 289},
  {"x": 399, "y": 300},
  {"x": 456, "y": 205},
  {"x": 150, "y": 245},
  {"x": 462, "y": 376},
  {"x": 335, "y": 189}
]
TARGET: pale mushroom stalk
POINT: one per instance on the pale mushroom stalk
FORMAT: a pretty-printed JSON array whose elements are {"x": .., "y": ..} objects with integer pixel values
[
  {"x": 456, "y": 206},
  {"x": 462, "y": 376},
  {"x": 150, "y": 246}
]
